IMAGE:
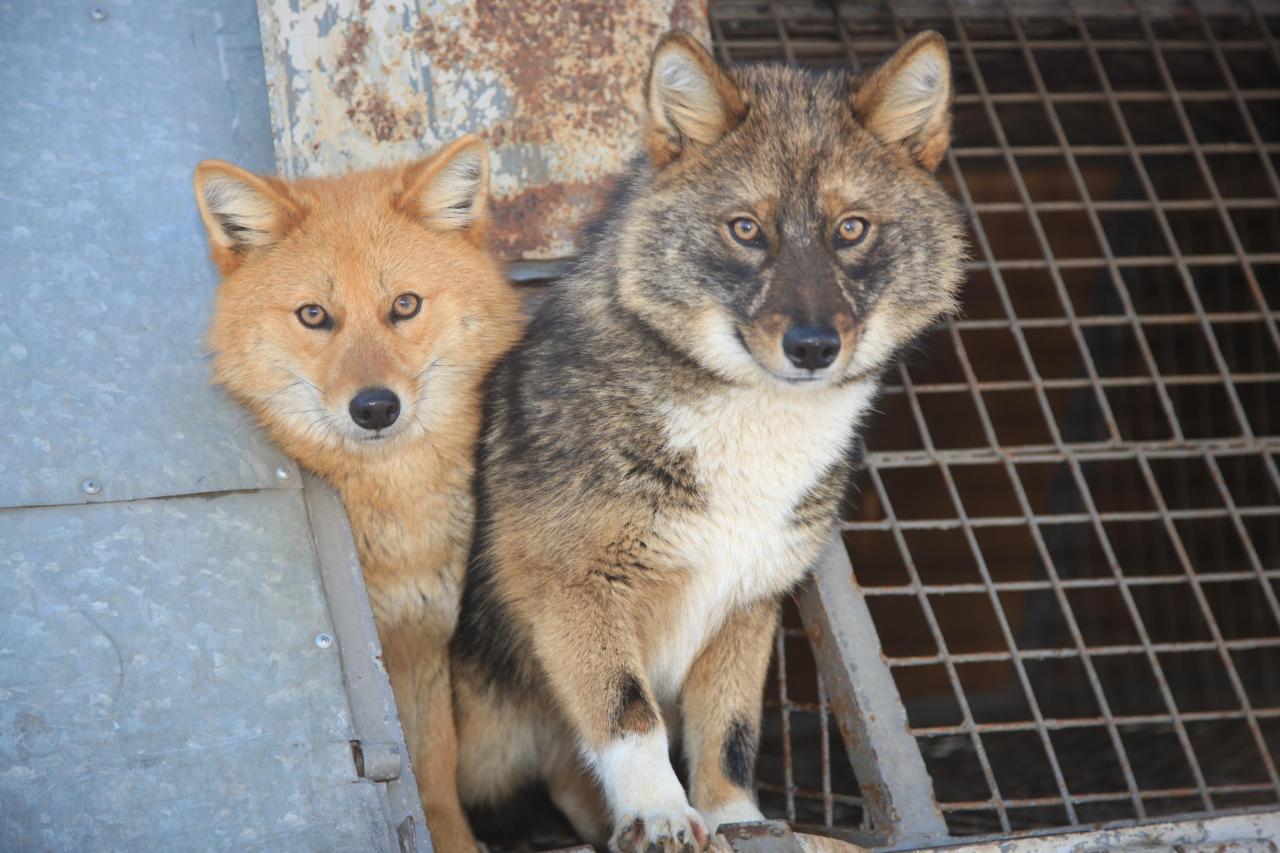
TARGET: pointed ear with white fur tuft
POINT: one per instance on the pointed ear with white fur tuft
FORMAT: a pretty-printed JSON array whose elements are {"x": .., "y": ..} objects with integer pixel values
[
  {"x": 450, "y": 191},
  {"x": 907, "y": 100},
  {"x": 241, "y": 211},
  {"x": 690, "y": 99}
]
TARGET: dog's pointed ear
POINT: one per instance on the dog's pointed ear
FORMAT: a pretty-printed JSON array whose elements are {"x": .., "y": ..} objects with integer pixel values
[
  {"x": 690, "y": 99},
  {"x": 242, "y": 212},
  {"x": 907, "y": 100},
  {"x": 450, "y": 190}
]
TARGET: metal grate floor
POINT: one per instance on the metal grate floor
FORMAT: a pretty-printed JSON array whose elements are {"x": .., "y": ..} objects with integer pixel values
[{"x": 1068, "y": 527}]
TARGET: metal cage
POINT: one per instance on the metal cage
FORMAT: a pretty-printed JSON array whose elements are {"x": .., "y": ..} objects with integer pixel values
[{"x": 1067, "y": 529}]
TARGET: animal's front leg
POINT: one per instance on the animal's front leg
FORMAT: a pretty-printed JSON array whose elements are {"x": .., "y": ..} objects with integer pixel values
[
  {"x": 589, "y": 649},
  {"x": 720, "y": 704},
  {"x": 417, "y": 659}
]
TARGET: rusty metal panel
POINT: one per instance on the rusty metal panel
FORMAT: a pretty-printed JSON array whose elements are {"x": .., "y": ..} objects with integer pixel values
[{"x": 554, "y": 87}]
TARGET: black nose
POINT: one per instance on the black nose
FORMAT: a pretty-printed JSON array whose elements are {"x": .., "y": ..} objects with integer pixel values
[
  {"x": 375, "y": 408},
  {"x": 811, "y": 347}
]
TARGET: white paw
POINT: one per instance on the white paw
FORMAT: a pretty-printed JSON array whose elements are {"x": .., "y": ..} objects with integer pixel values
[
  {"x": 676, "y": 829},
  {"x": 737, "y": 811}
]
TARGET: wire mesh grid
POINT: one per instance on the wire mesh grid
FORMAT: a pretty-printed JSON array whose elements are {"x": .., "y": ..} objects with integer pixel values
[{"x": 1068, "y": 524}]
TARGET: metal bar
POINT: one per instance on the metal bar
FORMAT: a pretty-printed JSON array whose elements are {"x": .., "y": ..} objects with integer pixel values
[
  {"x": 1042, "y": 240},
  {"x": 1167, "y": 204},
  {"x": 1166, "y": 694},
  {"x": 1268, "y": 169},
  {"x": 825, "y": 751},
  {"x": 1078, "y": 583},
  {"x": 1084, "y": 451},
  {"x": 1162, "y": 221},
  {"x": 784, "y": 710},
  {"x": 1117, "y": 320},
  {"x": 1207, "y": 612},
  {"x": 875, "y": 45},
  {"x": 1268, "y": 40},
  {"x": 373, "y": 708},
  {"x": 1110, "y": 150},
  {"x": 1157, "y": 794},
  {"x": 897, "y": 793},
  {"x": 1237, "y": 833},
  {"x": 1128, "y": 261},
  {"x": 1251, "y": 552},
  {"x": 1093, "y": 722},
  {"x": 1110, "y": 382}
]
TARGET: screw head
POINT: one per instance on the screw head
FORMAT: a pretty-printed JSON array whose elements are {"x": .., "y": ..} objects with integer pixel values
[
  {"x": 282, "y": 473},
  {"x": 91, "y": 487},
  {"x": 98, "y": 13},
  {"x": 777, "y": 832},
  {"x": 324, "y": 641}
]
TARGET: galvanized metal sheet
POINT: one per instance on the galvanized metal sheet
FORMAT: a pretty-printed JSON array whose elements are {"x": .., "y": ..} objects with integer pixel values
[
  {"x": 374, "y": 717},
  {"x": 106, "y": 287},
  {"x": 555, "y": 87},
  {"x": 161, "y": 687}
]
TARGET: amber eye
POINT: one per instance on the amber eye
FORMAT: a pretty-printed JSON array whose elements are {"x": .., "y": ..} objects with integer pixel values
[
  {"x": 852, "y": 230},
  {"x": 746, "y": 231},
  {"x": 406, "y": 305},
  {"x": 314, "y": 317}
]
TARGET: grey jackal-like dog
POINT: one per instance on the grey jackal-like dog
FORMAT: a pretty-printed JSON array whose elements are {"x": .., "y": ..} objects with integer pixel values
[{"x": 665, "y": 452}]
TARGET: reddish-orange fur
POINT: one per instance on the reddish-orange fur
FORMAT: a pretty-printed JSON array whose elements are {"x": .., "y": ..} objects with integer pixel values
[{"x": 352, "y": 244}]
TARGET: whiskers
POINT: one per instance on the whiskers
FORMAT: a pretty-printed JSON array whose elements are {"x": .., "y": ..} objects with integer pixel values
[
  {"x": 311, "y": 421},
  {"x": 299, "y": 381},
  {"x": 436, "y": 367}
]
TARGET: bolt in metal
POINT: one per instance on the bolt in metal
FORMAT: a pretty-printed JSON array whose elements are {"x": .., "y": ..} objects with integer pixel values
[
  {"x": 91, "y": 487},
  {"x": 282, "y": 472},
  {"x": 324, "y": 641},
  {"x": 98, "y": 13},
  {"x": 777, "y": 832}
]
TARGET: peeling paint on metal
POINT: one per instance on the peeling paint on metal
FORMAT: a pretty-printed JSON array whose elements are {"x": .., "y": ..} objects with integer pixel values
[{"x": 554, "y": 87}]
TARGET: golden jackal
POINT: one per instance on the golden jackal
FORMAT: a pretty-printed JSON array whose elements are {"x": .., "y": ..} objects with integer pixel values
[
  {"x": 665, "y": 452},
  {"x": 358, "y": 318}
]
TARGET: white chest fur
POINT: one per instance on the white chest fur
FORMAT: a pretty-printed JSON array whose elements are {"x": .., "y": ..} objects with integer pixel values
[{"x": 757, "y": 454}]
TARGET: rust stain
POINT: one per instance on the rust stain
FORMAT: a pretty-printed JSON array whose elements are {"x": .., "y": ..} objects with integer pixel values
[
  {"x": 351, "y": 59},
  {"x": 557, "y": 208},
  {"x": 556, "y": 88},
  {"x": 573, "y": 74}
]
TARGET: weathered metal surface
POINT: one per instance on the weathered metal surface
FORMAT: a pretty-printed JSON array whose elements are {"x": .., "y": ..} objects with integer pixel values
[
  {"x": 106, "y": 289},
  {"x": 554, "y": 87},
  {"x": 896, "y": 790},
  {"x": 374, "y": 718},
  {"x": 1237, "y": 833},
  {"x": 1241, "y": 833},
  {"x": 767, "y": 836},
  {"x": 160, "y": 686}
]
